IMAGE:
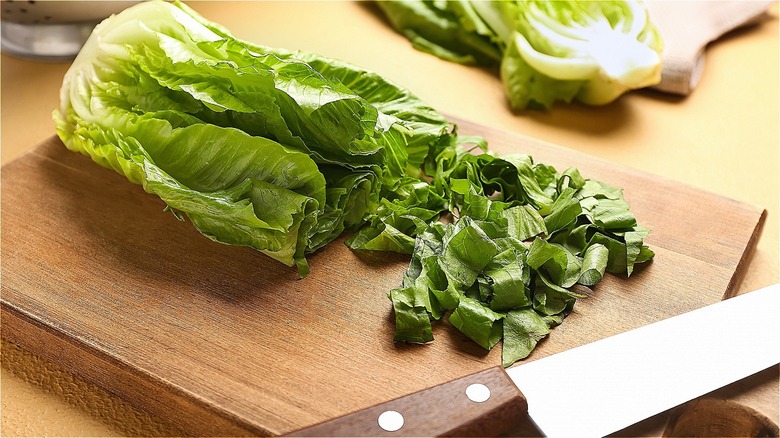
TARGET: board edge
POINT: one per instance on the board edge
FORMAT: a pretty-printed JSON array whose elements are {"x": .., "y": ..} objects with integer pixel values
[{"x": 93, "y": 365}]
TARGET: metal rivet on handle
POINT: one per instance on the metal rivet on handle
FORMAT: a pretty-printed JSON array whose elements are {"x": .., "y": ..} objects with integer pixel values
[
  {"x": 390, "y": 421},
  {"x": 478, "y": 392}
]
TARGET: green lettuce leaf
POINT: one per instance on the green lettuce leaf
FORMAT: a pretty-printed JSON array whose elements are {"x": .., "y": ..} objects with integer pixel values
[
  {"x": 524, "y": 222},
  {"x": 450, "y": 30},
  {"x": 523, "y": 329},
  {"x": 594, "y": 263},
  {"x": 509, "y": 278},
  {"x": 412, "y": 323},
  {"x": 478, "y": 322}
]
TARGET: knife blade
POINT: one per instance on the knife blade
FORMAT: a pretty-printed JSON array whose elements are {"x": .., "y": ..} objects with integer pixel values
[{"x": 595, "y": 389}]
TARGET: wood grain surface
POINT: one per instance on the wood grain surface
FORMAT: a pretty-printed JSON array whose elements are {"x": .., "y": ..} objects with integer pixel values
[
  {"x": 223, "y": 340},
  {"x": 458, "y": 415}
]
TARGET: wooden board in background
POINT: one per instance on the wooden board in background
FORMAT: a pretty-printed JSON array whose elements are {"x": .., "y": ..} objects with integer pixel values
[{"x": 222, "y": 340}]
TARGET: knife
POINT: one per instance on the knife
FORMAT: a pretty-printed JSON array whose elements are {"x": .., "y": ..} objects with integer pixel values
[{"x": 592, "y": 390}]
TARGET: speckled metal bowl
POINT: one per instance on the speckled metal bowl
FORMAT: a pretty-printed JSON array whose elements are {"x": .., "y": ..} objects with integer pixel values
[{"x": 51, "y": 30}]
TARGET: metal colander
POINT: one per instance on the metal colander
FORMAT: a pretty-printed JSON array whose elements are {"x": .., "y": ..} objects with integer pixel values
[{"x": 51, "y": 30}]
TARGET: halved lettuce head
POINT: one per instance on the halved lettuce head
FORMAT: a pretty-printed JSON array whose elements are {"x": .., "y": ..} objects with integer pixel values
[
  {"x": 257, "y": 147},
  {"x": 591, "y": 51}
]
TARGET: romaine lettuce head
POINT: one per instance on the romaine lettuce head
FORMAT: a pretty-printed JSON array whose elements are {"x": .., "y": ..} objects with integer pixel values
[{"x": 260, "y": 148}]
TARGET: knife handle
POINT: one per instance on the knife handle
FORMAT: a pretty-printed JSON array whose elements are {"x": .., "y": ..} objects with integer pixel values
[{"x": 461, "y": 407}]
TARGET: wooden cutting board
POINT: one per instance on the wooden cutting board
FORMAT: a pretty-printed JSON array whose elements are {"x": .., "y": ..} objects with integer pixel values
[{"x": 222, "y": 340}]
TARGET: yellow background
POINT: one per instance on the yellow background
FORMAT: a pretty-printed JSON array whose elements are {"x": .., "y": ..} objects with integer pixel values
[{"x": 723, "y": 138}]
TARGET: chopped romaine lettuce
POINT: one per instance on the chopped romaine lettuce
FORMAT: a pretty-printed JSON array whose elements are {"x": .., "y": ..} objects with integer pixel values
[{"x": 284, "y": 151}]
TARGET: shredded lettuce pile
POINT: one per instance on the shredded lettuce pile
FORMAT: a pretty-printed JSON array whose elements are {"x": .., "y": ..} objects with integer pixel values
[
  {"x": 284, "y": 151},
  {"x": 510, "y": 265},
  {"x": 591, "y": 51}
]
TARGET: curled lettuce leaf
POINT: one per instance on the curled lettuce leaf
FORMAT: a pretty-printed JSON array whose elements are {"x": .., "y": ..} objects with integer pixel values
[{"x": 523, "y": 329}]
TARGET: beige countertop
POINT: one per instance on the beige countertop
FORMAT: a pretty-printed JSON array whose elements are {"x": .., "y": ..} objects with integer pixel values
[{"x": 723, "y": 138}]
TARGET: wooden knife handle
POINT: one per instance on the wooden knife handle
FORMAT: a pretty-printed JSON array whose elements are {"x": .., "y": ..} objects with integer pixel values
[{"x": 444, "y": 410}]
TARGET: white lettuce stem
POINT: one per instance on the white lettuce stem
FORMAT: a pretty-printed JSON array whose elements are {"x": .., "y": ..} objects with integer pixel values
[{"x": 588, "y": 47}]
